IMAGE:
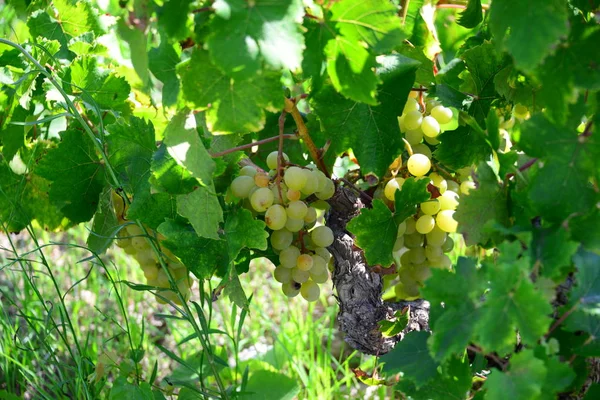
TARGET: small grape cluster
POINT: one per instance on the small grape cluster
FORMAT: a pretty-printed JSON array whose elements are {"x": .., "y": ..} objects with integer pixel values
[
  {"x": 296, "y": 237},
  {"x": 133, "y": 241}
]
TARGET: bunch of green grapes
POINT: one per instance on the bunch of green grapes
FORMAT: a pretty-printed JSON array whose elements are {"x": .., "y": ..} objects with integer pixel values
[
  {"x": 133, "y": 241},
  {"x": 296, "y": 237}
]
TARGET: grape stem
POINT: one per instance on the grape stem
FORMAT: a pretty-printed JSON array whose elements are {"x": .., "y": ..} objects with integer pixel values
[
  {"x": 408, "y": 147},
  {"x": 290, "y": 107},
  {"x": 523, "y": 167},
  {"x": 495, "y": 358},
  {"x": 280, "y": 161},
  {"x": 257, "y": 143}
]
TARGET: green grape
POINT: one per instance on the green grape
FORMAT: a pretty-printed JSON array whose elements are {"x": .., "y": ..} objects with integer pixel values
[
  {"x": 430, "y": 207},
  {"x": 261, "y": 179},
  {"x": 323, "y": 253},
  {"x": 411, "y": 225},
  {"x": 390, "y": 188},
  {"x": 293, "y": 195},
  {"x": 262, "y": 199},
  {"x": 289, "y": 257},
  {"x": 134, "y": 230},
  {"x": 430, "y": 127},
  {"x": 272, "y": 159},
  {"x": 327, "y": 192},
  {"x": 425, "y": 224},
  {"x": 430, "y": 104},
  {"x": 442, "y": 114},
  {"x": 146, "y": 256},
  {"x": 405, "y": 259},
  {"x": 299, "y": 275},
  {"x": 322, "y": 236},
  {"x": 433, "y": 252},
  {"x": 404, "y": 293},
  {"x": 448, "y": 201},
  {"x": 520, "y": 111},
  {"x": 453, "y": 186},
  {"x": 310, "y": 291},
  {"x": 411, "y": 105},
  {"x": 467, "y": 186},
  {"x": 123, "y": 242},
  {"x": 439, "y": 182},
  {"x": 276, "y": 198},
  {"x": 150, "y": 272},
  {"x": 311, "y": 215},
  {"x": 406, "y": 277},
  {"x": 399, "y": 244},
  {"x": 414, "y": 137},
  {"x": 294, "y": 225},
  {"x": 401, "y": 229},
  {"x": 417, "y": 255},
  {"x": 420, "y": 274},
  {"x": 162, "y": 280},
  {"x": 281, "y": 239},
  {"x": 412, "y": 120},
  {"x": 436, "y": 237},
  {"x": 445, "y": 221},
  {"x": 323, "y": 180},
  {"x": 432, "y": 140},
  {"x": 312, "y": 182},
  {"x": 418, "y": 164},
  {"x": 304, "y": 262},
  {"x": 319, "y": 266},
  {"x": 443, "y": 262},
  {"x": 140, "y": 243},
  {"x": 423, "y": 149},
  {"x": 401, "y": 124},
  {"x": 294, "y": 178},
  {"x": 322, "y": 278},
  {"x": 132, "y": 251},
  {"x": 248, "y": 170},
  {"x": 290, "y": 289},
  {"x": 282, "y": 274},
  {"x": 448, "y": 245},
  {"x": 276, "y": 217},
  {"x": 297, "y": 209},
  {"x": 413, "y": 240}
]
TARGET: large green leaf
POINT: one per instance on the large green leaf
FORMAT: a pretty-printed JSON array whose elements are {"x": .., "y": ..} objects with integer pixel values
[
  {"x": 522, "y": 381},
  {"x": 411, "y": 357},
  {"x": 375, "y": 232}
]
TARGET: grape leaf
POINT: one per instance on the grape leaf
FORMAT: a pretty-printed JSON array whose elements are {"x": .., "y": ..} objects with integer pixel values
[
  {"x": 40, "y": 24},
  {"x": 264, "y": 384},
  {"x": 232, "y": 105},
  {"x": 172, "y": 17},
  {"x": 316, "y": 37},
  {"x": 559, "y": 375},
  {"x": 583, "y": 228},
  {"x": 510, "y": 23},
  {"x": 242, "y": 230},
  {"x": 105, "y": 225},
  {"x": 138, "y": 42},
  {"x": 76, "y": 174},
  {"x": 412, "y": 15},
  {"x": 472, "y": 16},
  {"x": 168, "y": 176},
  {"x": 151, "y": 208},
  {"x": 411, "y": 357},
  {"x": 77, "y": 17},
  {"x": 375, "y": 232},
  {"x": 372, "y": 132},
  {"x": 233, "y": 288},
  {"x": 242, "y": 34},
  {"x": 454, "y": 288},
  {"x": 585, "y": 296},
  {"x": 488, "y": 203},
  {"x": 462, "y": 147},
  {"x": 186, "y": 148},
  {"x": 413, "y": 193},
  {"x": 425, "y": 75},
  {"x": 162, "y": 61},
  {"x": 13, "y": 136},
  {"x": 201, "y": 207},
  {"x": 522, "y": 381},
  {"x": 453, "y": 331},
  {"x": 552, "y": 248}
]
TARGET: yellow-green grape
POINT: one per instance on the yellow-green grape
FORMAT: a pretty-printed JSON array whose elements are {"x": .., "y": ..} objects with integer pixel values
[
  {"x": 430, "y": 207},
  {"x": 293, "y": 195},
  {"x": 242, "y": 186},
  {"x": 442, "y": 114},
  {"x": 430, "y": 127},
  {"x": 430, "y": 104},
  {"x": 276, "y": 217},
  {"x": 417, "y": 255},
  {"x": 399, "y": 244},
  {"x": 406, "y": 277},
  {"x": 433, "y": 252},
  {"x": 448, "y": 201},
  {"x": 146, "y": 256},
  {"x": 140, "y": 243},
  {"x": 432, "y": 141},
  {"x": 123, "y": 242},
  {"x": 248, "y": 170},
  {"x": 327, "y": 192},
  {"x": 150, "y": 272},
  {"x": 261, "y": 179},
  {"x": 322, "y": 236},
  {"x": 436, "y": 237},
  {"x": 281, "y": 239},
  {"x": 401, "y": 123},
  {"x": 406, "y": 293},
  {"x": 412, "y": 120},
  {"x": 439, "y": 182},
  {"x": 297, "y": 209},
  {"x": 418, "y": 165},
  {"x": 421, "y": 274},
  {"x": 414, "y": 137},
  {"x": 323, "y": 253},
  {"x": 445, "y": 221},
  {"x": 290, "y": 289},
  {"x": 289, "y": 257},
  {"x": 425, "y": 224},
  {"x": 311, "y": 215},
  {"x": 422, "y": 149},
  {"x": 310, "y": 291},
  {"x": 411, "y": 226},
  {"x": 276, "y": 198},
  {"x": 312, "y": 182},
  {"x": 520, "y": 111},
  {"x": 132, "y": 251},
  {"x": 282, "y": 274},
  {"x": 304, "y": 262},
  {"x": 162, "y": 280},
  {"x": 322, "y": 278},
  {"x": 401, "y": 229},
  {"x": 294, "y": 178},
  {"x": 391, "y": 187},
  {"x": 299, "y": 275},
  {"x": 443, "y": 262},
  {"x": 272, "y": 159},
  {"x": 261, "y": 199},
  {"x": 323, "y": 179},
  {"x": 464, "y": 173},
  {"x": 134, "y": 230},
  {"x": 448, "y": 245},
  {"x": 453, "y": 186},
  {"x": 294, "y": 225},
  {"x": 467, "y": 186},
  {"x": 411, "y": 105},
  {"x": 413, "y": 240},
  {"x": 319, "y": 266}
]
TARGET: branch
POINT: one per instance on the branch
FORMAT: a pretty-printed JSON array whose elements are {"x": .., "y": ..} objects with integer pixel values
[{"x": 257, "y": 143}]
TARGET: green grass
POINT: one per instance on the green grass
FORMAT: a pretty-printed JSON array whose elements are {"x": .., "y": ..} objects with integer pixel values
[{"x": 69, "y": 329}]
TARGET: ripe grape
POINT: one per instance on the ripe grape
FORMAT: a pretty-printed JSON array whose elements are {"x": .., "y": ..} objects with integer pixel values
[
  {"x": 453, "y": 186},
  {"x": 123, "y": 242},
  {"x": 401, "y": 229},
  {"x": 290, "y": 289},
  {"x": 322, "y": 278},
  {"x": 418, "y": 165},
  {"x": 150, "y": 272},
  {"x": 422, "y": 149},
  {"x": 430, "y": 127},
  {"x": 412, "y": 120},
  {"x": 294, "y": 225},
  {"x": 297, "y": 209},
  {"x": 294, "y": 178},
  {"x": 304, "y": 262},
  {"x": 242, "y": 185},
  {"x": 425, "y": 224},
  {"x": 134, "y": 230},
  {"x": 281, "y": 239},
  {"x": 448, "y": 201},
  {"x": 276, "y": 217},
  {"x": 282, "y": 275},
  {"x": 399, "y": 244},
  {"x": 289, "y": 257},
  {"x": 261, "y": 179},
  {"x": 272, "y": 159},
  {"x": 414, "y": 137},
  {"x": 445, "y": 221},
  {"x": 432, "y": 140},
  {"x": 139, "y": 243},
  {"x": 467, "y": 186},
  {"x": 439, "y": 182},
  {"x": 448, "y": 245},
  {"x": 433, "y": 252},
  {"x": 327, "y": 192},
  {"x": 430, "y": 207},
  {"x": 312, "y": 182},
  {"x": 322, "y": 236},
  {"x": 323, "y": 253},
  {"x": 413, "y": 240},
  {"x": 248, "y": 170},
  {"x": 293, "y": 195},
  {"x": 442, "y": 114},
  {"x": 310, "y": 291},
  {"x": 436, "y": 237},
  {"x": 262, "y": 199},
  {"x": 319, "y": 266},
  {"x": 391, "y": 187},
  {"x": 417, "y": 255},
  {"x": 411, "y": 225},
  {"x": 411, "y": 105},
  {"x": 299, "y": 275},
  {"x": 311, "y": 215}
]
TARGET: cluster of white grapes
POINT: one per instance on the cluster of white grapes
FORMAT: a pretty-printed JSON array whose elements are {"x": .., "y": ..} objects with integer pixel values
[
  {"x": 296, "y": 237},
  {"x": 423, "y": 239},
  {"x": 133, "y": 241}
]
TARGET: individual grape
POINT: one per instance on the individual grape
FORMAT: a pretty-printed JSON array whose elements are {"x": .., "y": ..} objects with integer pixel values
[
  {"x": 310, "y": 291},
  {"x": 421, "y": 274},
  {"x": 150, "y": 272},
  {"x": 467, "y": 186},
  {"x": 448, "y": 201},
  {"x": 431, "y": 104},
  {"x": 322, "y": 179},
  {"x": 123, "y": 242},
  {"x": 311, "y": 215},
  {"x": 304, "y": 262},
  {"x": 276, "y": 199},
  {"x": 417, "y": 255},
  {"x": 430, "y": 207},
  {"x": 404, "y": 292},
  {"x": 413, "y": 240},
  {"x": 448, "y": 245},
  {"x": 411, "y": 105},
  {"x": 414, "y": 137},
  {"x": 294, "y": 178},
  {"x": 412, "y": 120},
  {"x": 261, "y": 179},
  {"x": 327, "y": 192},
  {"x": 422, "y": 149},
  {"x": 322, "y": 236},
  {"x": 520, "y": 111},
  {"x": 436, "y": 237},
  {"x": 445, "y": 221},
  {"x": 294, "y": 225},
  {"x": 399, "y": 244},
  {"x": 425, "y": 224},
  {"x": 418, "y": 164},
  {"x": 401, "y": 123},
  {"x": 406, "y": 277},
  {"x": 432, "y": 141},
  {"x": 242, "y": 185},
  {"x": 299, "y": 275},
  {"x": 248, "y": 170},
  {"x": 442, "y": 114},
  {"x": 401, "y": 229},
  {"x": 405, "y": 259},
  {"x": 134, "y": 230},
  {"x": 433, "y": 252},
  {"x": 146, "y": 256},
  {"x": 290, "y": 289},
  {"x": 443, "y": 262},
  {"x": 262, "y": 199},
  {"x": 453, "y": 186},
  {"x": 430, "y": 127},
  {"x": 319, "y": 266},
  {"x": 391, "y": 187},
  {"x": 140, "y": 243},
  {"x": 162, "y": 279},
  {"x": 282, "y": 274},
  {"x": 276, "y": 217},
  {"x": 411, "y": 226},
  {"x": 293, "y": 195},
  {"x": 272, "y": 159},
  {"x": 297, "y": 209},
  {"x": 312, "y": 182},
  {"x": 439, "y": 182},
  {"x": 322, "y": 278},
  {"x": 289, "y": 257},
  {"x": 323, "y": 253}
]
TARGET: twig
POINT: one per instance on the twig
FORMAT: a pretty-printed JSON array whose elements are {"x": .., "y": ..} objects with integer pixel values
[
  {"x": 523, "y": 167},
  {"x": 497, "y": 360},
  {"x": 421, "y": 89},
  {"x": 408, "y": 147},
  {"x": 202, "y": 9},
  {"x": 587, "y": 132},
  {"x": 257, "y": 143},
  {"x": 561, "y": 319},
  {"x": 280, "y": 160}
]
